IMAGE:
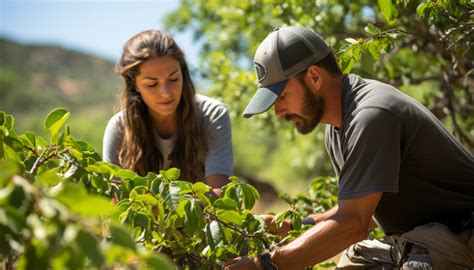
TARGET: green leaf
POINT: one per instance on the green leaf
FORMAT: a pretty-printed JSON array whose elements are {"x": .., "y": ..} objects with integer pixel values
[
  {"x": 180, "y": 208},
  {"x": 8, "y": 122},
  {"x": 55, "y": 120},
  {"x": 181, "y": 187},
  {"x": 89, "y": 244},
  {"x": 295, "y": 220},
  {"x": 8, "y": 168},
  {"x": 49, "y": 178},
  {"x": 173, "y": 174},
  {"x": 230, "y": 216},
  {"x": 234, "y": 179},
  {"x": 371, "y": 29},
  {"x": 142, "y": 221},
  {"x": 87, "y": 205},
  {"x": 250, "y": 195},
  {"x": 13, "y": 148},
  {"x": 287, "y": 198},
  {"x": 29, "y": 139},
  {"x": 367, "y": 62},
  {"x": 226, "y": 204},
  {"x": 2, "y": 142},
  {"x": 388, "y": 10},
  {"x": 280, "y": 217},
  {"x": 200, "y": 187},
  {"x": 146, "y": 198},
  {"x": 194, "y": 217},
  {"x": 351, "y": 40},
  {"x": 216, "y": 232},
  {"x": 209, "y": 237},
  {"x": 420, "y": 10},
  {"x": 374, "y": 50},
  {"x": 157, "y": 261},
  {"x": 121, "y": 237},
  {"x": 126, "y": 174},
  {"x": 83, "y": 146},
  {"x": 121, "y": 207}
]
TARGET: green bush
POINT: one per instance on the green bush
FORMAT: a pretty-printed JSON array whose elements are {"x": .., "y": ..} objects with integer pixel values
[{"x": 57, "y": 210}]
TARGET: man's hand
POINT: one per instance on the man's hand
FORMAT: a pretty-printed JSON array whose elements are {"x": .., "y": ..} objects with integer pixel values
[
  {"x": 270, "y": 222},
  {"x": 244, "y": 263}
]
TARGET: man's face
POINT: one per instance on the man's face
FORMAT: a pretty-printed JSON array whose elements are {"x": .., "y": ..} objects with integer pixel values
[{"x": 298, "y": 104}]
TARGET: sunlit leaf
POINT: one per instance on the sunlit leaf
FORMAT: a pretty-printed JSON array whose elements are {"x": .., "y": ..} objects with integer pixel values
[
  {"x": 230, "y": 216},
  {"x": 388, "y": 10},
  {"x": 146, "y": 198},
  {"x": 226, "y": 203},
  {"x": 55, "y": 120}
]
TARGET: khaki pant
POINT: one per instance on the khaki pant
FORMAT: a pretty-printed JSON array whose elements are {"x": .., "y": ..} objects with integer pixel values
[{"x": 399, "y": 252}]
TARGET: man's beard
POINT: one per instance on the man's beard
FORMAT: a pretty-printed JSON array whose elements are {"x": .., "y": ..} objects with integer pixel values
[{"x": 312, "y": 111}]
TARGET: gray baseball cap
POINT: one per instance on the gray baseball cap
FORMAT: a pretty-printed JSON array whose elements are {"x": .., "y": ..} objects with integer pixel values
[{"x": 284, "y": 53}]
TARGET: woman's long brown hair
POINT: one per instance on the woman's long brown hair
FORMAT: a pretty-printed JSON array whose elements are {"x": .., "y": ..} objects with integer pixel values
[{"x": 139, "y": 151}]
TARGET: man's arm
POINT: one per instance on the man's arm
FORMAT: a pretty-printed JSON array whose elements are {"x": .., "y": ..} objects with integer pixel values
[
  {"x": 348, "y": 224},
  {"x": 270, "y": 222}
]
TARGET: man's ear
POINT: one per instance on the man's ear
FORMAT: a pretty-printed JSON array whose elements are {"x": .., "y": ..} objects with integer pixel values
[{"x": 315, "y": 77}]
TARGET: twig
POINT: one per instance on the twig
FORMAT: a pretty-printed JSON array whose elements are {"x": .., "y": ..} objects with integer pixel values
[
  {"x": 450, "y": 107},
  {"x": 235, "y": 229},
  {"x": 39, "y": 160},
  {"x": 461, "y": 38},
  {"x": 32, "y": 150}
]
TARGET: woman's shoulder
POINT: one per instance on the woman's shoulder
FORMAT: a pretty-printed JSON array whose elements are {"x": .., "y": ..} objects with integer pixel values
[
  {"x": 207, "y": 105},
  {"x": 117, "y": 119}
]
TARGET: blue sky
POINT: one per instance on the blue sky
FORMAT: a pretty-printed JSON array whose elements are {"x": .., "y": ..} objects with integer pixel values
[{"x": 98, "y": 27}]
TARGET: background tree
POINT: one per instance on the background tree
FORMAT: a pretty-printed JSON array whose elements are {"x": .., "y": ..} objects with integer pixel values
[{"x": 422, "y": 47}]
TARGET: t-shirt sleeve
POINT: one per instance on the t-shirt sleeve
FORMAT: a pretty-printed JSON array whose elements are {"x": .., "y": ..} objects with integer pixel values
[
  {"x": 371, "y": 150},
  {"x": 112, "y": 140},
  {"x": 220, "y": 155},
  {"x": 330, "y": 144}
]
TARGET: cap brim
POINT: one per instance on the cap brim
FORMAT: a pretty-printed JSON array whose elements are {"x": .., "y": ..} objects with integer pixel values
[{"x": 264, "y": 99}]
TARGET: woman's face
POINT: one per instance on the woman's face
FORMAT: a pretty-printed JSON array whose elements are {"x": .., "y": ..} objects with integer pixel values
[{"x": 160, "y": 83}]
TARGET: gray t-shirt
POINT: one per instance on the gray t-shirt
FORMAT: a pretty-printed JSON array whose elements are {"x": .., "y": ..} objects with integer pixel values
[
  {"x": 390, "y": 143},
  {"x": 213, "y": 121}
]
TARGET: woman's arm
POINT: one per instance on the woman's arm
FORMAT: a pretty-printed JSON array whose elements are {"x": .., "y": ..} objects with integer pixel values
[
  {"x": 217, "y": 181},
  {"x": 112, "y": 140}
]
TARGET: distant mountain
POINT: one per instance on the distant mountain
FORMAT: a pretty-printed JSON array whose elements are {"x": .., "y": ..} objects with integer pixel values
[{"x": 34, "y": 79}]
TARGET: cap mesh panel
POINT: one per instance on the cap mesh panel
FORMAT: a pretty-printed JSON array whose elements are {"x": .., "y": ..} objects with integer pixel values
[{"x": 296, "y": 51}]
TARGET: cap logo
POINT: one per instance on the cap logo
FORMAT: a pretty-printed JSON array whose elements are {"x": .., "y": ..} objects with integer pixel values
[{"x": 261, "y": 71}]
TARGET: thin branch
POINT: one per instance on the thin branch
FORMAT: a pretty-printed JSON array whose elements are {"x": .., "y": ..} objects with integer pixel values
[
  {"x": 235, "y": 229},
  {"x": 450, "y": 108},
  {"x": 464, "y": 36},
  {"x": 460, "y": 27},
  {"x": 398, "y": 81},
  {"x": 40, "y": 160},
  {"x": 33, "y": 151}
]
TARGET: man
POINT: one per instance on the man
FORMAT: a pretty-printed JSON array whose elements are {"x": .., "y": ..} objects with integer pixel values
[{"x": 395, "y": 161}]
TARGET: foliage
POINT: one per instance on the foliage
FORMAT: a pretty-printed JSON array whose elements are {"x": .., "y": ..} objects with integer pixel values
[
  {"x": 53, "y": 203},
  {"x": 36, "y": 78},
  {"x": 56, "y": 209},
  {"x": 422, "y": 47}
]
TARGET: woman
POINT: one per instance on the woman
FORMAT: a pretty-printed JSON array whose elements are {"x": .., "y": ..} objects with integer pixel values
[{"x": 162, "y": 122}]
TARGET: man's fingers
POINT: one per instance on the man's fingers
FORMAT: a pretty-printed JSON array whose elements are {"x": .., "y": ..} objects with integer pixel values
[{"x": 239, "y": 263}]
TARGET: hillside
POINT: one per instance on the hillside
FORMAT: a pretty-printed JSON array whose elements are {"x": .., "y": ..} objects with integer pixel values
[{"x": 37, "y": 78}]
